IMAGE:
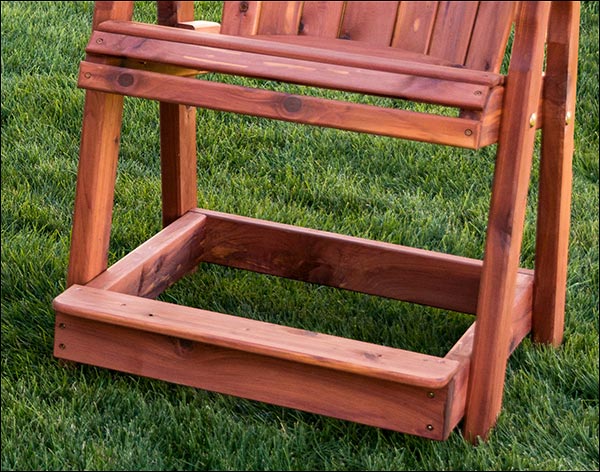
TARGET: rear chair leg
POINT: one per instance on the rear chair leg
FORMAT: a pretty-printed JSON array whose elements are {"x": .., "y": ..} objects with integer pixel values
[
  {"x": 555, "y": 174},
  {"x": 177, "y": 136}
]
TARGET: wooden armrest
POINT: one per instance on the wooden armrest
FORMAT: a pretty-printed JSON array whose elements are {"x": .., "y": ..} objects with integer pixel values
[{"x": 304, "y": 52}]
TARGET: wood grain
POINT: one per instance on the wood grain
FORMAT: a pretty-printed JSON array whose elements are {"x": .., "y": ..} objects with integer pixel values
[
  {"x": 177, "y": 135},
  {"x": 506, "y": 220},
  {"x": 315, "y": 74},
  {"x": 159, "y": 262},
  {"x": 306, "y": 387},
  {"x": 282, "y": 342},
  {"x": 341, "y": 56},
  {"x": 372, "y": 267},
  {"x": 554, "y": 207},
  {"x": 283, "y": 106}
]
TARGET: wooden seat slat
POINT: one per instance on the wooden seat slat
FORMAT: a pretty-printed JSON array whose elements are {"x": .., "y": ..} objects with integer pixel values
[
  {"x": 316, "y": 74},
  {"x": 354, "y": 56},
  {"x": 268, "y": 339}
]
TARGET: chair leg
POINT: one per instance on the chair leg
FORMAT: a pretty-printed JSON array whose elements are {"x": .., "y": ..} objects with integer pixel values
[
  {"x": 555, "y": 174},
  {"x": 178, "y": 160},
  {"x": 94, "y": 195},
  {"x": 177, "y": 136},
  {"x": 505, "y": 225},
  {"x": 92, "y": 218}
]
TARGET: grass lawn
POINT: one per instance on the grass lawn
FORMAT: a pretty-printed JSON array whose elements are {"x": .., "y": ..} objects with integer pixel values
[{"x": 75, "y": 417}]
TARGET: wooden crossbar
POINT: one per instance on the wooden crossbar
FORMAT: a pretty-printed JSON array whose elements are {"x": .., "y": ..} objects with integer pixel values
[
  {"x": 303, "y": 72},
  {"x": 262, "y": 338},
  {"x": 311, "y": 49},
  {"x": 463, "y": 132}
]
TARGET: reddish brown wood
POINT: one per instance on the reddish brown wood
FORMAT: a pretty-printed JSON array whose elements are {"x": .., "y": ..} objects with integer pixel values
[
  {"x": 369, "y": 22},
  {"x": 282, "y": 106},
  {"x": 345, "y": 52},
  {"x": 98, "y": 153},
  {"x": 351, "y": 263},
  {"x": 109, "y": 322},
  {"x": 282, "y": 342},
  {"x": 95, "y": 186},
  {"x": 161, "y": 261},
  {"x": 177, "y": 135},
  {"x": 345, "y": 395},
  {"x": 104, "y": 11},
  {"x": 280, "y": 18},
  {"x": 414, "y": 26},
  {"x": 356, "y": 54},
  {"x": 372, "y": 82},
  {"x": 505, "y": 224},
  {"x": 556, "y": 173},
  {"x": 490, "y": 35},
  {"x": 452, "y": 30},
  {"x": 240, "y": 18},
  {"x": 462, "y": 351},
  {"x": 321, "y": 19}
]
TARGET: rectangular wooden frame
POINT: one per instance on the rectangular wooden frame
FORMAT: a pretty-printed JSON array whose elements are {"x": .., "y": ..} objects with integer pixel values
[{"x": 112, "y": 322}]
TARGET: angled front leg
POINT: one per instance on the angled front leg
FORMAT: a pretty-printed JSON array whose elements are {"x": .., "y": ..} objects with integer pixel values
[
  {"x": 98, "y": 152},
  {"x": 506, "y": 221}
]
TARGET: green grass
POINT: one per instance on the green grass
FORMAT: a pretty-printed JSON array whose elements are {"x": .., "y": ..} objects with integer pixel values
[{"x": 74, "y": 417}]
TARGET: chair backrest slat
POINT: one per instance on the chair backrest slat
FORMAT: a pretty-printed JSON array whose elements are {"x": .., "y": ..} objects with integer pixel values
[
  {"x": 280, "y": 18},
  {"x": 473, "y": 34},
  {"x": 452, "y": 30},
  {"x": 414, "y": 26},
  {"x": 322, "y": 19},
  {"x": 490, "y": 35},
  {"x": 369, "y": 22}
]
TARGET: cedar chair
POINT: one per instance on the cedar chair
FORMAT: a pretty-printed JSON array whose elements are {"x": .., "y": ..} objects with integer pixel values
[{"x": 440, "y": 53}]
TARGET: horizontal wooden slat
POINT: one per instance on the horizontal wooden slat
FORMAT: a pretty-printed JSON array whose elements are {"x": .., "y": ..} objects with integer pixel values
[
  {"x": 372, "y": 267},
  {"x": 281, "y": 106},
  {"x": 375, "y": 402},
  {"x": 317, "y": 74},
  {"x": 159, "y": 262},
  {"x": 378, "y": 58},
  {"x": 340, "y": 56},
  {"x": 258, "y": 337}
]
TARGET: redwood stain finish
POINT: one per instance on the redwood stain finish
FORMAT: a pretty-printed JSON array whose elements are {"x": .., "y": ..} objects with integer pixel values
[{"x": 447, "y": 54}]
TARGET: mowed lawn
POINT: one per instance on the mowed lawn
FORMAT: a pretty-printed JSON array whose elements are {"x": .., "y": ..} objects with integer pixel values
[{"x": 58, "y": 416}]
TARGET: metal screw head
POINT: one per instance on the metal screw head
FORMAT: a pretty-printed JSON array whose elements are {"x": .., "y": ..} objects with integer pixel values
[
  {"x": 99, "y": 40},
  {"x": 429, "y": 427},
  {"x": 468, "y": 132},
  {"x": 532, "y": 120},
  {"x": 61, "y": 346},
  {"x": 243, "y": 7},
  {"x": 568, "y": 117},
  {"x": 431, "y": 394}
]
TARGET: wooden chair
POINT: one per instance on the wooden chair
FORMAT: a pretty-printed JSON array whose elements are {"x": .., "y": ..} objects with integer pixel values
[{"x": 442, "y": 53}]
